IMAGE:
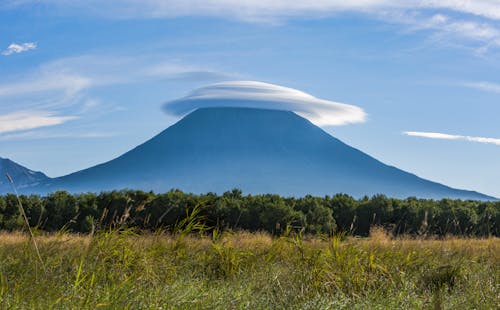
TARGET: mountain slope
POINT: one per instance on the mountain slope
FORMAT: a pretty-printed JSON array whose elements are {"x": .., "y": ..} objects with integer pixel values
[
  {"x": 256, "y": 150},
  {"x": 22, "y": 176}
]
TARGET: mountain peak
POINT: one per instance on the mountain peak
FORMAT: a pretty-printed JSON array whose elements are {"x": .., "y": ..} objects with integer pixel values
[
  {"x": 22, "y": 176},
  {"x": 253, "y": 94},
  {"x": 235, "y": 111},
  {"x": 215, "y": 149}
]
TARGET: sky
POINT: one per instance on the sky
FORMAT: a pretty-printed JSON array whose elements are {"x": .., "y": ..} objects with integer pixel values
[{"x": 83, "y": 81}]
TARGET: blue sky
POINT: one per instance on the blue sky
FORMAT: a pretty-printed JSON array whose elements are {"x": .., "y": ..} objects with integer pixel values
[{"x": 81, "y": 82}]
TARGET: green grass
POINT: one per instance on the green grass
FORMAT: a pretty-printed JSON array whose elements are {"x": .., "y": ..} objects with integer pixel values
[{"x": 123, "y": 270}]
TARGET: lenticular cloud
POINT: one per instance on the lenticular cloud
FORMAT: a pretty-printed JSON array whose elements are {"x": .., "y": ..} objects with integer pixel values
[{"x": 252, "y": 94}]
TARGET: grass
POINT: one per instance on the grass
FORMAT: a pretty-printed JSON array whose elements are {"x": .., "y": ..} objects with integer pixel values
[{"x": 125, "y": 270}]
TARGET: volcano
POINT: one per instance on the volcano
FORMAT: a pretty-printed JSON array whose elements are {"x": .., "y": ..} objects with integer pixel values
[
  {"x": 24, "y": 177},
  {"x": 256, "y": 150}
]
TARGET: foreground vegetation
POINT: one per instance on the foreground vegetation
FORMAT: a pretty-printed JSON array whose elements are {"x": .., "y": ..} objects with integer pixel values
[
  {"x": 271, "y": 213},
  {"x": 120, "y": 269},
  {"x": 177, "y": 250}
]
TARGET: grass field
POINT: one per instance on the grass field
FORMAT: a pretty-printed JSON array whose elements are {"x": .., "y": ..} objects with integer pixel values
[{"x": 123, "y": 270}]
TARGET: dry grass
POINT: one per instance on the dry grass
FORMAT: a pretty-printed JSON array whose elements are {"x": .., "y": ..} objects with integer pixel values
[{"x": 120, "y": 269}]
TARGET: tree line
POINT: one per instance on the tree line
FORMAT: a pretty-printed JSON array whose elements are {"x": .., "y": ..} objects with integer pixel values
[{"x": 232, "y": 210}]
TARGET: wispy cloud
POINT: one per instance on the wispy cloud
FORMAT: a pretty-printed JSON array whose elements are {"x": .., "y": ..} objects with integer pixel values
[
  {"x": 73, "y": 75},
  {"x": 260, "y": 9},
  {"x": 448, "y": 29},
  {"x": 15, "y": 48},
  {"x": 40, "y": 82},
  {"x": 25, "y": 120},
  {"x": 485, "y": 8},
  {"x": 484, "y": 86},
  {"x": 444, "y": 136},
  {"x": 69, "y": 87},
  {"x": 43, "y": 134},
  {"x": 475, "y": 20},
  {"x": 268, "y": 96}
]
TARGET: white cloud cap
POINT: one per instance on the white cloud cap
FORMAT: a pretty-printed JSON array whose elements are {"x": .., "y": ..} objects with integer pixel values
[
  {"x": 15, "y": 48},
  {"x": 252, "y": 94}
]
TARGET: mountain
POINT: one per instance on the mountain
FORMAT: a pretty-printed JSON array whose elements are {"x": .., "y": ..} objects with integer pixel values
[
  {"x": 256, "y": 150},
  {"x": 22, "y": 176}
]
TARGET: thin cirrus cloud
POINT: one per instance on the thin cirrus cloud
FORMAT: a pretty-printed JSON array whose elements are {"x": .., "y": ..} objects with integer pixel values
[
  {"x": 46, "y": 134},
  {"x": 444, "y": 136},
  {"x": 66, "y": 87},
  {"x": 446, "y": 28},
  {"x": 15, "y": 48},
  {"x": 259, "y": 9},
  {"x": 475, "y": 21},
  {"x": 484, "y": 86},
  {"x": 253, "y": 94},
  {"x": 25, "y": 120},
  {"x": 74, "y": 75}
]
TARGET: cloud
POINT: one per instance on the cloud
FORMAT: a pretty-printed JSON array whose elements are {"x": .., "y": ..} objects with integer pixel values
[
  {"x": 437, "y": 135},
  {"x": 485, "y": 8},
  {"x": 34, "y": 135},
  {"x": 256, "y": 10},
  {"x": 19, "y": 48},
  {"x": 473, "y": 19},
  {"x": 40, "y": 82},
  {"x": 448, "y": 29},
  {"x": 71, "y": 86},
  {"x": 267, "y": 96},
  {"x": 484, "y": 86},
  {"x": 25, "y": 120},
  {"x": 70, "y": 76}
]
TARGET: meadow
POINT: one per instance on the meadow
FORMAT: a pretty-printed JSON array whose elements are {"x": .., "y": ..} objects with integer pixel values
[{"x": 189, "y": 268}]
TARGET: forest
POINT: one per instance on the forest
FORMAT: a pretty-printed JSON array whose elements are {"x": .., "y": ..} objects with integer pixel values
[{"x": 82, "y": 213}]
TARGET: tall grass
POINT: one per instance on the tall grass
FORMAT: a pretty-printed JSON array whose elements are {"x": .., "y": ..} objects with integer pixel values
[
  {"x": 122, "y": 269},
  {"x": 26, "y": 221}
]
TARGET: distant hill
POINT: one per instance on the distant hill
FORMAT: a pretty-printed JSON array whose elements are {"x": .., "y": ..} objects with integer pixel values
[
  {"x": 255, "y": 150},
  {"x": 22, "y": 176}
]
